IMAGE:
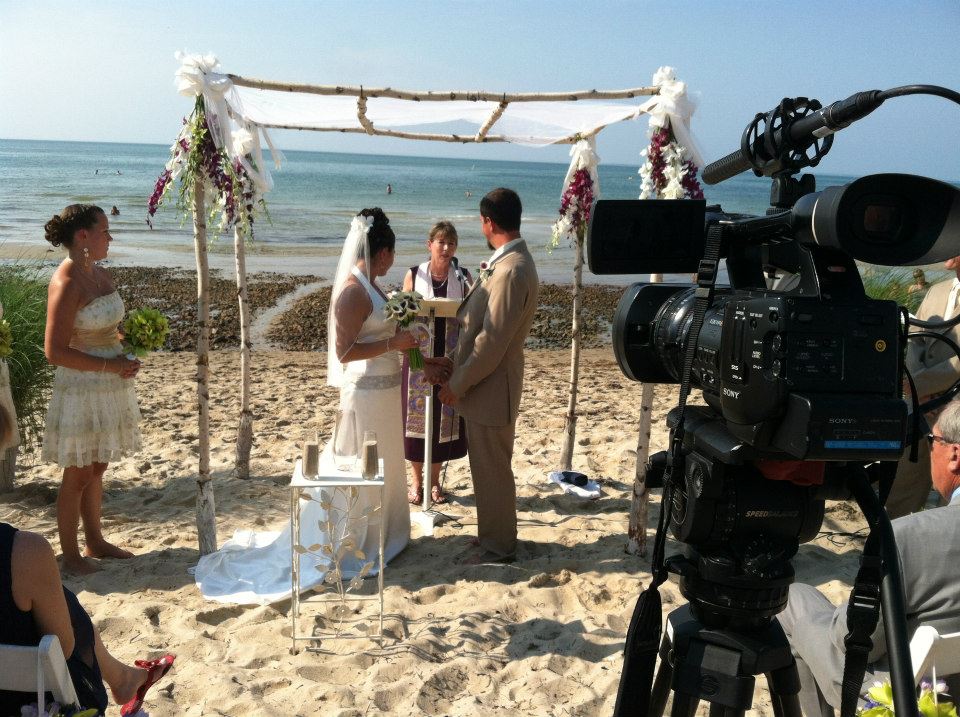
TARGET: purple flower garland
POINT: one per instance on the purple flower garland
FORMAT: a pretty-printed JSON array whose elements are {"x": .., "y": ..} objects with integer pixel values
[{"x": 197, "y": 157}]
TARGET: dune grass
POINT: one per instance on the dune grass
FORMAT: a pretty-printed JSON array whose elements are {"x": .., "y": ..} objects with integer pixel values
[
  {"x": 893, "y": 283},
  {"x": 23, "y": 293}
]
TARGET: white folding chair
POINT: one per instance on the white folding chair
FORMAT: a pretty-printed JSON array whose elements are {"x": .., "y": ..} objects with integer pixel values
[
  {"x": 934, "y": 654},
  {"x": 40, "y": 668}
]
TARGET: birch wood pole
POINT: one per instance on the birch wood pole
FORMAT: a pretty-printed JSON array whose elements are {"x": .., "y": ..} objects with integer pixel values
[
  {"x": 443, "y": 95},
  {"x": 206, "y": 510},
  {"x": 8, "y": 469},
  {"x": 570, "y": 424},
  {"x": 640, "y": 501},
  {"x": 245, "y": 428}
]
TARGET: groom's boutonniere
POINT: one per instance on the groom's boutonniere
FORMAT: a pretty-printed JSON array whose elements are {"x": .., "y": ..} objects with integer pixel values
[{"x": 485, "y": 271}]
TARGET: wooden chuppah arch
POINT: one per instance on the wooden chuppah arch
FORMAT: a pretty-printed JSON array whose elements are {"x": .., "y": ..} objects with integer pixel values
[{"x": 239, "y": 110}]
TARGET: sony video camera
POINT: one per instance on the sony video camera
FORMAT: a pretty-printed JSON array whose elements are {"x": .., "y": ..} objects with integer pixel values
[{"x": 801, "y": 374}]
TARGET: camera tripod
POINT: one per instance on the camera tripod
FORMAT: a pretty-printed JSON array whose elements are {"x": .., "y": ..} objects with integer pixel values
[
  {"x": 719, "y": 665},
  {"x": 716, "y": 644}
]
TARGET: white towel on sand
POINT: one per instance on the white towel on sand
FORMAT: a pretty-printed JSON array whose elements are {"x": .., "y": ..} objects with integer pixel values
[{"x": 591, "y": 490}]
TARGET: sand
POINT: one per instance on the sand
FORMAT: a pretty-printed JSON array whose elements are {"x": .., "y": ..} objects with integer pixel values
[{"x": 541, "y": 636}]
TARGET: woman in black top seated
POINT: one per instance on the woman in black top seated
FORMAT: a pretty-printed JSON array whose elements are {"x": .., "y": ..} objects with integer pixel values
[{"x": 34, "y": 603}]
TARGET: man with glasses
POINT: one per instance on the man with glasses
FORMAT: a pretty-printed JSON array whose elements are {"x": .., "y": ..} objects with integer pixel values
[
  {"x": 934, "y": 368},
  {"x": 929, "y": 546}
]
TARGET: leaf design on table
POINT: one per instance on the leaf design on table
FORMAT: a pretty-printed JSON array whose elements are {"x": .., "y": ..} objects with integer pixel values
[{"x": 356, "y": 583}]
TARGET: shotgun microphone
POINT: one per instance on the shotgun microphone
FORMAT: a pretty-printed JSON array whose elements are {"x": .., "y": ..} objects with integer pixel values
[{"x": 790, "y": 129}]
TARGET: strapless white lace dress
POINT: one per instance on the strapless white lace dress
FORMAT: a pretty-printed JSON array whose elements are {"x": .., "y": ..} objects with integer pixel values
[
  {"x": 254, "y": 568},
  {"x": 93, "y": 416}
]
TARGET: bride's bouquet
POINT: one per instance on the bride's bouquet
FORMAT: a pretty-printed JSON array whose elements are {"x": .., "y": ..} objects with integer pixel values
[
  {"x": 402, "y": 307},
  {"x": 145, "y": 330}
]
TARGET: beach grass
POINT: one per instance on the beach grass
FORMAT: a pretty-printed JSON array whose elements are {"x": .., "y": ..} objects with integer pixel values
[
  {"x": 893, "y": 284},
  {"x": 23, "y": 293}
]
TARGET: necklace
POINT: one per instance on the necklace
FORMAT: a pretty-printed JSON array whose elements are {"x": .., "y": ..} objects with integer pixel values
[{"x": 443, "y": 281}]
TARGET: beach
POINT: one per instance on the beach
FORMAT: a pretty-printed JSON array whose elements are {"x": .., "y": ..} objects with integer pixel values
[{"x": 541, "y": 636}]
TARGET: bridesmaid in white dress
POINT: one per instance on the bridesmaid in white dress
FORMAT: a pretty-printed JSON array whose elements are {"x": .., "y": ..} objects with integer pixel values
[
  {"x": 93, "y": 415},
  {"x": 254, "y": 568}
]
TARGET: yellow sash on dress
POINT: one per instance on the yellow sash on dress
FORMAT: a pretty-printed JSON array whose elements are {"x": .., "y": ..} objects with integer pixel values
[{"x": 99, "y": 338}]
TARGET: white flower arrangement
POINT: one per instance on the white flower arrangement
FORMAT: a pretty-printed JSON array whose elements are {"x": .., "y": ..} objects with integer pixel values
[{"x": 402, "y": 307}]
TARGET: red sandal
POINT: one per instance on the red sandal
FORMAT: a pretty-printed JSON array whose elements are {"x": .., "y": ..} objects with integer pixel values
[{"x": 156, "y": 669}]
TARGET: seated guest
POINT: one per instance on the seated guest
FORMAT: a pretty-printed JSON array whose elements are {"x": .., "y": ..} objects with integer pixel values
[
  {"x": 934, "y": 368},
  {"x": 929, "y": 547},
  {"x": 34, "y": 603}
]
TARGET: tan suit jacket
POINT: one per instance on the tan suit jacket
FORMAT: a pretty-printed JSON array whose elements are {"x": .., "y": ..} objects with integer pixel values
[
  {"x": 932, "y": 363},
  {"x": 495, "y": 319}
]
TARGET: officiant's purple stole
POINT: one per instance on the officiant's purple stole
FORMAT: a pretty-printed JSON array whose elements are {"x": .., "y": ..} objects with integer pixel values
[{"x": 418, "y": 390}]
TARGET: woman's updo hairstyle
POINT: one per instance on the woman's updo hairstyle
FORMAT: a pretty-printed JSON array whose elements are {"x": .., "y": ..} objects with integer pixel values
[
  {"x": 381, "y": 236},
  {"x": 63, "y": 226}
]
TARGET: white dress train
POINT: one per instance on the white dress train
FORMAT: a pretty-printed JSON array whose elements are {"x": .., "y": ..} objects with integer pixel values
[{"x": 254, "y": 568}]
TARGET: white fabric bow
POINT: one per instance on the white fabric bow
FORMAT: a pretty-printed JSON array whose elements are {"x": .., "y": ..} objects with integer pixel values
[
  {"x": 673, "y": 106},
  {"x": 200, "y": 75},
  {"x": 584, "y": 156}
]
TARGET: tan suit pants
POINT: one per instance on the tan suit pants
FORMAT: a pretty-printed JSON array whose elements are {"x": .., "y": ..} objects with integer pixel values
[{"x": 491, "y": 458}]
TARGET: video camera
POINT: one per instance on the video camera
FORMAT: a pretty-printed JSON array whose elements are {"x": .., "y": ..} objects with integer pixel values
[
  {"x": 806, "y": 372},
  {"x": 801, "y": 372}
]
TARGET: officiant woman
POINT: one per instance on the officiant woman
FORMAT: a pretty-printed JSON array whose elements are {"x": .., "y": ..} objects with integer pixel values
[{"x": 439, "y": 277}]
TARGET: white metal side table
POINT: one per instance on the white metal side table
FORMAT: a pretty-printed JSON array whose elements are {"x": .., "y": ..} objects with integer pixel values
[{"x": 331, "y": 478}]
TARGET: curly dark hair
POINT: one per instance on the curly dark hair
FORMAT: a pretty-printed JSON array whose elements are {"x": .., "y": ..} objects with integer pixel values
[
  {"x": 381, "y": 236},
  {"x": 63, "y": 226}
]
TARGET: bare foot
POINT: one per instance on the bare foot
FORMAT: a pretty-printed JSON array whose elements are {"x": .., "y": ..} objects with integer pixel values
[
  {"x": 106, "y": 550},
  {"x": 79, "y": 566},
  {"x": 130, "y": 681}
]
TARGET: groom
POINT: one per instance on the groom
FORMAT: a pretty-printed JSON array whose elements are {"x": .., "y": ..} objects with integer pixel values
[{"x": 487, "y": 377}]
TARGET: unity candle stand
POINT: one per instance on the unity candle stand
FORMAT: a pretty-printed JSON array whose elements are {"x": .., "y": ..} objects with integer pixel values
[
  {"x": 427, "y": 518},
  {"x": 335, "y": 480}
]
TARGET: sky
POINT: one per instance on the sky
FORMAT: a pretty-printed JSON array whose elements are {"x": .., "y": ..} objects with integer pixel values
[{"x": 103, "y": 71}]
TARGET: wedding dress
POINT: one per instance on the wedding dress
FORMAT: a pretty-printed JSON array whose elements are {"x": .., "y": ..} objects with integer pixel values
[{"x": 254, "y": 568}]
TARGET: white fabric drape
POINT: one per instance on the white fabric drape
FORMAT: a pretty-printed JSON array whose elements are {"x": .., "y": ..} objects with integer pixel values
[
  {"x": 673, "y": 105},
  {"x": 237, "y": 115},
  {"x": 531, "y": 123}
]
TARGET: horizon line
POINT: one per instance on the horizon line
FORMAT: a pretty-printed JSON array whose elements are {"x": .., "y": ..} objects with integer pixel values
[{"x": 312, "y": 151}]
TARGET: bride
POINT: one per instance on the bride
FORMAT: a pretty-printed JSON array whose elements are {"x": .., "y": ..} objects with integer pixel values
[{"x": 362, "y": 361}]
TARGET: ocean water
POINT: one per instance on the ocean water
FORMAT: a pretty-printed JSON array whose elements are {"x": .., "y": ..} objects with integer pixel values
[{"x": 314, "y": 197}]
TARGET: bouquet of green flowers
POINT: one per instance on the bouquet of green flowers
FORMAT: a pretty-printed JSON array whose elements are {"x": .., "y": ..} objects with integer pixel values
[
  {"x": 402, "y": 307},
  {"x": 55, "y": 709},
  {"x": 930, "y": 703},
  {"x": 6, "y": 339},
  {"x": 145, "y": 330}
]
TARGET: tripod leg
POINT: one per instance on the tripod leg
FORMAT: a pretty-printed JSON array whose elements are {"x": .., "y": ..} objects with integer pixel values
[
  {"x": 661, "y": 683},
  {"x": 684, "y": 705},
  {"x": 722, "y": 711},
  {"x": 785, "y": 691}
]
